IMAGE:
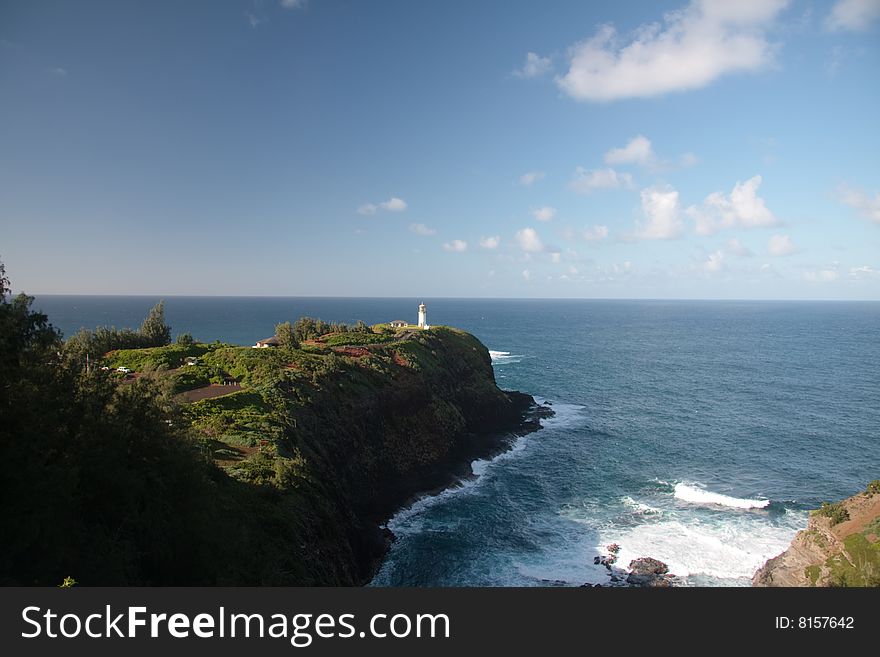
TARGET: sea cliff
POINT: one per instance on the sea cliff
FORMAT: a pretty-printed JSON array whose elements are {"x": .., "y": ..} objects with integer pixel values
[
  {"x": 215, "y": 464},
  {"x": 839, "y": 547}
]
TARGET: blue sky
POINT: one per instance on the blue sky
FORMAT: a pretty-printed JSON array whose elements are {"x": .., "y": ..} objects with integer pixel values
[{"x": 707, "y": 149}]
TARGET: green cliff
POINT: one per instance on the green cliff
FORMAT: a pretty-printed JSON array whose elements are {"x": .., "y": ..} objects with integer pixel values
[{"x": 223, "y": 465}]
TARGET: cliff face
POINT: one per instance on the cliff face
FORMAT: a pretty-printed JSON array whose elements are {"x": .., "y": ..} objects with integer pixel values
[
  {"x": 374, "y": 437},
  {"x": 356, "y": 431},
  {"x": 839, "y": 547}
]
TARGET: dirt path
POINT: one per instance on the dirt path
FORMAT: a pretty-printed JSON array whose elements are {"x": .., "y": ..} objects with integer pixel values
[
  {"x": 861, "y": 514},
  {"x": 207, "y": 392}
]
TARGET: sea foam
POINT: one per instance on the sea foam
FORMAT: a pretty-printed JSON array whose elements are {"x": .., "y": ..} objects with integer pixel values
[{"x": 724, "y": 550}]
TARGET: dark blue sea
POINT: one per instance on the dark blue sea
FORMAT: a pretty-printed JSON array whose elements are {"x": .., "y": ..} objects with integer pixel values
[{"x": 698, "y": 433}]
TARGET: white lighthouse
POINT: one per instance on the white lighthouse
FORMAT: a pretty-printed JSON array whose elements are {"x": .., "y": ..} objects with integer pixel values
[{"x": 423, "y": 316}]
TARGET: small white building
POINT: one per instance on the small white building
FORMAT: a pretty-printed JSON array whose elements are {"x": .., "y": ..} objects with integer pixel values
[
  {"x": 268, "y": 342},
  {"x": 398, "y": 324}
]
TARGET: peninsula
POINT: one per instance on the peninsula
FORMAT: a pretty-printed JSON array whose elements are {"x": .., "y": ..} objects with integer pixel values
[{"x": 213, "y": 464}]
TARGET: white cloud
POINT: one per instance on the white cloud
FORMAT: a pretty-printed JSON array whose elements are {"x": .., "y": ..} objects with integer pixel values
[
  {"x": 586, "y": 180},
  {"x": 526, "y": 274},
  {"x": 293, "y": 4},
  {"x": 715, "y": 262},
  {"x": 535, "y": 66},
  {"x": 456, "y": 246},
  {"x": 556, "y": 257},
  {"x": 530, "y": 178},
  {"x": 742, "y": 208},
  {"x": 637, "y": 151},
  {"x": 422, "y": 229},
  {"x": 856, "y": 198},
  {"x": 640, "y": 151},
  {"x": 528, "y": 240},
  {"x": 737, "y": 248},
  {"x": 544, "y": 214},
  {"x": 856, "y": 15},
  {"x": 780, "y": 245},
  {"x": 821, "y": 276},
  {"x": 490, "y": 242},
  {"x": 691, "y": 48},
  {"x": 660, "y": 208},
  {"x": 393, "y": 204},
  {"x": 863, "y": 272},
  {"x": 595, "y": 233},
  {"x": 60, "y": 72}
]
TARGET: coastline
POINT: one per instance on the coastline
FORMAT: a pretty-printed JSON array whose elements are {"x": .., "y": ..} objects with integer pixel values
[
  {"x": 839, "y": 547},
  {"x": 456, "y": 470}
]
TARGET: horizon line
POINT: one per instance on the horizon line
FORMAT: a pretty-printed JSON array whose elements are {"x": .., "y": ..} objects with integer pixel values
[{"x": 457, "y": 298}]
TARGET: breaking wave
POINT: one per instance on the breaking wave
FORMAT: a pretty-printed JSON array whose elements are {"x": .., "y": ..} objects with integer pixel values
[{"x": 696, "y": 495}]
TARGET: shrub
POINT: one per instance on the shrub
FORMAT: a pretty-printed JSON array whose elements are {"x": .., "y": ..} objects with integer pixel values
[
  {"x": 836, "y": 512},
  {"x": 873, "y": 487}
]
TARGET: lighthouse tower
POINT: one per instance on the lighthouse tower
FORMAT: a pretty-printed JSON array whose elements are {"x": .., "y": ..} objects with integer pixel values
[{"x": 423, "y": 316}]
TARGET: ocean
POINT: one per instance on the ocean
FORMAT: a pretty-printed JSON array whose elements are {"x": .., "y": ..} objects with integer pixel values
[{"x": 699, "y": 433}]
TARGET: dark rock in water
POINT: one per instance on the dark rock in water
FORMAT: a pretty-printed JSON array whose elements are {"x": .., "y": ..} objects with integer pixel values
[
  {"x": 554, "y": 582},
  {"x": 648, "y": 566},
  {"x": 646, "y": 571}
]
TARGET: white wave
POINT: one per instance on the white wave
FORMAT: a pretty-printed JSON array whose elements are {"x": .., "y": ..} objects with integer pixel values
[
  {"x": 639, "y": 508},
  {"x": 480, "y": 466},
  {"x": 403, "y": 521},
  {"x": 504, "y": 357},
  {"x": 695, "y": 495},
  {"x": 565, "y": 415}
]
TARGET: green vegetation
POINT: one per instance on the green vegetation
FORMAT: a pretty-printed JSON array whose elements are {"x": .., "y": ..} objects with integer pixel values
[
  {"x": 352, "y": 338},
  {"x": 858, "y": 565},
  {"x": 168, "y": 357},
  {"x": 836, "y": 512},
  {"x": 185, "y": 340},
  {"x": 287, "y": 338},
  {"x": 88, "y": 345},
  {"x": 280, "y": 482},
  {"x": 873, "y": 487}
]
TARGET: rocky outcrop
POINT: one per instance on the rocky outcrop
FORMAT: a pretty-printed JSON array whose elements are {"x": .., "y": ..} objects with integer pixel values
[
  {"x": 648, "y": 572},
  {"x": 839, "y": 547}
]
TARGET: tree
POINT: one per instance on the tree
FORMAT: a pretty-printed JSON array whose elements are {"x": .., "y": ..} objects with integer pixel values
[
  {"x": 286, "y": 336},
  {"x": 305, "y": 329},
  {"x": 154, "y": 329},
  {"x": 185, "y": 340}
]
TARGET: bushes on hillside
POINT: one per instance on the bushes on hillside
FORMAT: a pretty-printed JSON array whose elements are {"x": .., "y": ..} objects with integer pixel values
[{"x": 836, "y": 512}]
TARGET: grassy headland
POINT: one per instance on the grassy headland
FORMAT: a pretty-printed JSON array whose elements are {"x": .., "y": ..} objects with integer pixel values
[{"x": 280, "y": 476}]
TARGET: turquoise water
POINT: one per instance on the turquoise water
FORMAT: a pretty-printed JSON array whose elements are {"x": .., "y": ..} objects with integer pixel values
[{"x": 698, "y": 433}]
